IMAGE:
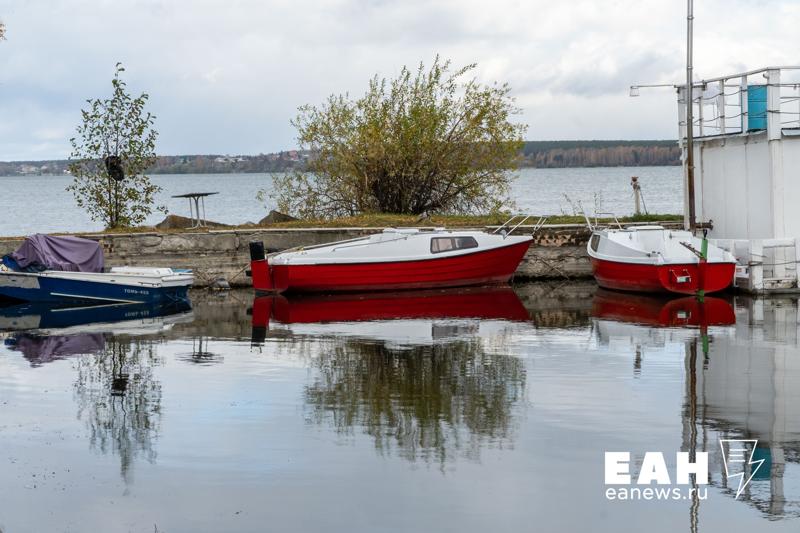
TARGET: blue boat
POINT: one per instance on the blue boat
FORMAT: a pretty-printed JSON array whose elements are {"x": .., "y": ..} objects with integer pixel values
[{"x": 71, "y": 270}]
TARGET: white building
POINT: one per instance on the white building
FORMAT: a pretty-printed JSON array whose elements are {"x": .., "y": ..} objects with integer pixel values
[{"x": 747, "y": 170}]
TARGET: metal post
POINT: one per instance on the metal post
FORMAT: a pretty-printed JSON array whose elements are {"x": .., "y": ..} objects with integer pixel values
[
  {"x": 689, "y": 118},
  {"x": 723, "y": 128},
  {"x": 700, "y": 121},
  {"x": 743, "y": 102}
]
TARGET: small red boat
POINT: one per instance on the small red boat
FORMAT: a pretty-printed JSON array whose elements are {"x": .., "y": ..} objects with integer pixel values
[
  {"x": 655, "y": 259},
  {"x": 393, "y": 259}
]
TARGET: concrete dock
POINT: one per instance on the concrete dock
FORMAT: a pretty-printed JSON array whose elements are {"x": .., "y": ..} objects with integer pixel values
[{"x": 558, "y": 251}]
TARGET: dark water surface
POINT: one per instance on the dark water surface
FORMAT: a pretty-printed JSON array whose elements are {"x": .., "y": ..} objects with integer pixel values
[{"x": 481, "y": 410}]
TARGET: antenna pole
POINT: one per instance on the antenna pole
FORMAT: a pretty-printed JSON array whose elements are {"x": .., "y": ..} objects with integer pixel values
[{"x": 689, "y": 118}]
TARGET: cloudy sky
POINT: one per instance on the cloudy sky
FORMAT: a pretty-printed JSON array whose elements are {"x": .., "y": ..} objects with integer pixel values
[{"x": 227, "y": 76}]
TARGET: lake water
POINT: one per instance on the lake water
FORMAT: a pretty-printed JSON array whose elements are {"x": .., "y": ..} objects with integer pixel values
[
  {"x": 464, "y": 411},
  {"x": 41, "y": 203}
]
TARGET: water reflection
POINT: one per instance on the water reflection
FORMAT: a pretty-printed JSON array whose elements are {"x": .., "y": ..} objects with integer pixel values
[
  {"x": 516, "y": 392},
  {"x": 742, "y": 367},
  {"x": 748, "y": 390},
  {"x": 411, "y": 370},
  {"x": 119, "y": 400},
  {"x": 424, "y": 402},
  {"x": 117, "y": 395}
]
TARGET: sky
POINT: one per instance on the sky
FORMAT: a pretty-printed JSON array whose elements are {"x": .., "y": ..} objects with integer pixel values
[{"x": 226, "y": 77}]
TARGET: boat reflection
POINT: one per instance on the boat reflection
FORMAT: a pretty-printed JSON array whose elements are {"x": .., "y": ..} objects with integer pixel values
[
  {"x": 407, "y": 317},
  {"x": 45, "y": 333},
  {"x": 412, "y": 370},
  {"x": 662, "y": 311}
]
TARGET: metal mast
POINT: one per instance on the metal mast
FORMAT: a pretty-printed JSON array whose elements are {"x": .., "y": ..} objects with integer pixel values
[{"x": 689, "y": 118}]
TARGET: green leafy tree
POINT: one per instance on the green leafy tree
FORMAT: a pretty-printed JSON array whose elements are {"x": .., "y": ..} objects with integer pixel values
[
  {"x": 113, "y": 148},
  {"x": 429, "y": 141}
]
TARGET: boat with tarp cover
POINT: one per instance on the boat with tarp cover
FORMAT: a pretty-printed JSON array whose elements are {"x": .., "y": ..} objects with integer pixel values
[{"x": 71, "y": 269}]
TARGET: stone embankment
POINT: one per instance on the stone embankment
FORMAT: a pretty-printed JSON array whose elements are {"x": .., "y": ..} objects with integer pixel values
[{"x": 558, "y": 251}]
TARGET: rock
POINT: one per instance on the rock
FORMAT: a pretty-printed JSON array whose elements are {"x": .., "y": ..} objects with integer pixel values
[
  {"x": 179, "y": 222},
  {"x": 274, "y": 217},
  {"x": 220, "y": 284}
]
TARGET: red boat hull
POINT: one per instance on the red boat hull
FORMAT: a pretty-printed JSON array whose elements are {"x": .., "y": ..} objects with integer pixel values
[
  {"x": 679, "y": 278},
  {"x": 486, "y": 267}
]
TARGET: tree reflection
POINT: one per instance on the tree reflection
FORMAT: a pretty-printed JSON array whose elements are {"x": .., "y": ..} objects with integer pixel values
[
  {"x": 119, "y": 399},
  {"x": 425, "y": 402}
]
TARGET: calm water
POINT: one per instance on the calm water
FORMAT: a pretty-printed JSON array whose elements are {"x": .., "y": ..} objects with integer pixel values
[
  {"x": 481, "y": 410},
  {"x": 539, "y": 191}
]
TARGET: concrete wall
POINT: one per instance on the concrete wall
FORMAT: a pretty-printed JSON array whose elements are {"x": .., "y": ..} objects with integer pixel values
[{"x": 559, "y": 251}]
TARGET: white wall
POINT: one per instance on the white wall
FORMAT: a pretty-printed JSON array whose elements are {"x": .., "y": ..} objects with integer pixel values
[{"x": 734, "y": 186}]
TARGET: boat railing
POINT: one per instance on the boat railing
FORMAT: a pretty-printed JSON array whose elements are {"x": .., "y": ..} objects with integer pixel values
[
  {"x": 519, "y": 220},
  {"x": 597, "y": 216},
  {"x": 315, "y": 246},
  {"x": 369, "y": 242}
]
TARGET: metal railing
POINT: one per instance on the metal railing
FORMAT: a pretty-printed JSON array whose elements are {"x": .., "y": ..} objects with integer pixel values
[
  {"x": 520, "y": 220},
  {"x": 720, "y": 105}
]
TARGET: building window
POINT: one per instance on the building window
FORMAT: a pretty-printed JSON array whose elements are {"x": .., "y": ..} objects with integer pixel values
[{"x": 449, "y": 244}]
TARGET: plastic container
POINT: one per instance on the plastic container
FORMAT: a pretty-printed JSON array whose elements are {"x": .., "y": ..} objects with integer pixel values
[{"x": 756, "y": 107}]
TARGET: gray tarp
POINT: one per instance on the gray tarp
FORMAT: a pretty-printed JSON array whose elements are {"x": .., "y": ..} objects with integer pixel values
[{"x": 60, "y": 253}]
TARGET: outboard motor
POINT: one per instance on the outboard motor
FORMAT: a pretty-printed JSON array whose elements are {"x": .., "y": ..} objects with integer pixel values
[{"x": 259, "y": 268}]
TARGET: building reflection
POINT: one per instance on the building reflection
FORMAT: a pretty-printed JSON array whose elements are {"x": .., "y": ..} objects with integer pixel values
[
  {"x": 742, "y": 370},
  {"x": 747, "y": 389}
]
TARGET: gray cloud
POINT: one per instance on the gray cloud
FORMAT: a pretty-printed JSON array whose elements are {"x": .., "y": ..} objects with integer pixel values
[{"x": 227, "y": 76}]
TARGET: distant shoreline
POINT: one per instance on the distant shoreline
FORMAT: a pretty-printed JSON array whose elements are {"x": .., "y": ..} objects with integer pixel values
[
  {"x": 535, "y": 154},
  {"x": 232, "y": 172}
]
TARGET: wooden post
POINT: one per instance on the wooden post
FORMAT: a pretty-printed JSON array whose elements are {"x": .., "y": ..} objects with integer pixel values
[{"x": 636, "y": 195}]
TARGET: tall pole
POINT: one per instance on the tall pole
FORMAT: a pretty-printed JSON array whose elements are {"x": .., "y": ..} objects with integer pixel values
[{"x": 689, "y": 119}]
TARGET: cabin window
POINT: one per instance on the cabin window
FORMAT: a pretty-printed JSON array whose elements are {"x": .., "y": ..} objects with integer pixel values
[
  {"x": 448, "y": 244},
  {"x": 594, "y": 242}
]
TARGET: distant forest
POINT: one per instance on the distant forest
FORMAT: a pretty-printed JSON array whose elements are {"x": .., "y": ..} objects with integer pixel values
[
  {"x": 538, "y": 154},
  {"x": 561, "y": 154}
]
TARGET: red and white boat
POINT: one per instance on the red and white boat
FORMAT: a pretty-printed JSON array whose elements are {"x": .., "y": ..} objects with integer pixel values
[
  {"x": 393, "y": 259},
  {"x": 655, "y": 259}
]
